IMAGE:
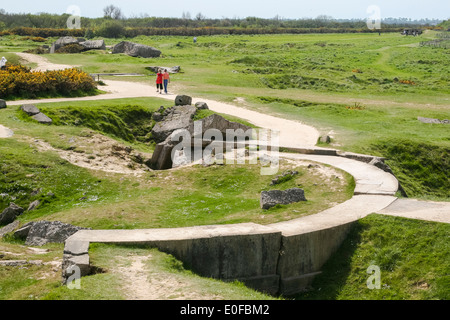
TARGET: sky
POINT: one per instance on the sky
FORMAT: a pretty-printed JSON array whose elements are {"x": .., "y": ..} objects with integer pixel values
[{"x": 289, "y": 9}]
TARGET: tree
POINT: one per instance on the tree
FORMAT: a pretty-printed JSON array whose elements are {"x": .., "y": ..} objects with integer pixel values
[
  {"x": 113, "y": 12},
  {"x": 200, "y": 16},
  {"x": 110, "y": 29},
  {"x": 186, "y": 16}
]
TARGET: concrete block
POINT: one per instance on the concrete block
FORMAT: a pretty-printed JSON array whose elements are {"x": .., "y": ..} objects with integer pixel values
[{"x": 305, "y": 253}]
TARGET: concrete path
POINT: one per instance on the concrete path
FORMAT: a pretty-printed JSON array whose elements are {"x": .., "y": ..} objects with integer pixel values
[
  {"x": 420, "y": 210},
  {"x": 369, "y": 179},
  {"x": 5, "y": 132}
]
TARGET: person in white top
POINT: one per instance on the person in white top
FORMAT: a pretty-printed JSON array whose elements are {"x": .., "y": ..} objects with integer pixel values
[{"x": 3, "y": 63}]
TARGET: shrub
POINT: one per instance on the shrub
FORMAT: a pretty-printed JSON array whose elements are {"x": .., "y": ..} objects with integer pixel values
[
  {"x": 71, "y": 48},
  {"x": 38, "y": 39},
  {"x": 20, "y": 81},
  {"x": 111, "y": 29}
]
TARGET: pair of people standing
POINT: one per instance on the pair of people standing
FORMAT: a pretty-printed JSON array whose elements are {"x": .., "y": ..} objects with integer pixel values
[{"x": 162, "y": 78}]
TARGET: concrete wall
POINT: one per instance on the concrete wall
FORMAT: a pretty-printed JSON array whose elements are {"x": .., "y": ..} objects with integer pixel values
[
  {"x": 303, "y": 255},
  {"x": 259, "y": 256}
]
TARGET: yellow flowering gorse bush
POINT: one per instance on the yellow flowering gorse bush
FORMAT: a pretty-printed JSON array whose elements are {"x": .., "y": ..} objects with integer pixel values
[{"x": 20, "y": 81}]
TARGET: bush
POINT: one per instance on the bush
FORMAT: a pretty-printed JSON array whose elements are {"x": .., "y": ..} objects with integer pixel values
[
  {"x": 37, "y": 39},
  {"x": 111, "y": 29},
  {"x": 89, "y": 34},
  {"x": 20, "y": 81},
  {"x": 71, "y": 48}
]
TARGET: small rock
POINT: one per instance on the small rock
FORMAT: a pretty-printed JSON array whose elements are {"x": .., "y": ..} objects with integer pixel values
[
  {"x": 136, "y": 50},
  {"x": 22, "y": 233},
  {"x": 183, "y": 100},
  {"x": 2, "y": 104},
  {"x": 280, "y": 178},
  {"x": 271, "y": 198},
  {"x": 43, "y": 232},
  {"x": 137, "y": 157},
  {"x": 30, "y": 109},
  {"x": 325, "y": 139},
  {"x": 33, "y": 205},
  {"x": 35, "y": 192},
  {"x": 42, "y": 118},
  {"x": 201, "y": 106},
  {"x": 9, "y": 228},
  {"x": 9, "y": 214},
  {"x": 17, "y": 263},
  {"x": 156, "y": 116},
  {"x": 435, "y": 121}
]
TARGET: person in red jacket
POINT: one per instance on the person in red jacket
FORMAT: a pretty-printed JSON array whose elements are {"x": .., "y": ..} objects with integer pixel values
[{"x": 159, "y": 81}]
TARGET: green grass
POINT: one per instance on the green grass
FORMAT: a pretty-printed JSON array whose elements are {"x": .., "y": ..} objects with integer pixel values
[
  {"x": 192, "y": 196},
  {"x": 416, "y": 151},
  {"x": 289, "y": 61},
  {"x": 29, "y": 282},
  {"x": 25, "y": 170},
  {"x": 109, "y": 285},
  {"x": 200, "y": 196},
  {"x": 309, "y": 78},
  {"x": 313, "y": 78},
  {"x": 129, "y": 123},
  {"x": 412, "y": 267}
]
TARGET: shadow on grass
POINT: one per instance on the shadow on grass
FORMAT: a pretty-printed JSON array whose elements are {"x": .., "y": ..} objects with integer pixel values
[{"x": 336, "y": 270}]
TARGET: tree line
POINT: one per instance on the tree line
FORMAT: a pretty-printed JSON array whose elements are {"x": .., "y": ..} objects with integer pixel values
[{"x": 114, "y": 24}]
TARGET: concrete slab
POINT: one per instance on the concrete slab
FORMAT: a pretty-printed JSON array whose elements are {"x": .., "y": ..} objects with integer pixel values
[
  {"x": 352, "y": 210},
  {"x": 369, "y": 179},
  {"x": 421, "y": 210},
  {"x": 168, "y": 234}
]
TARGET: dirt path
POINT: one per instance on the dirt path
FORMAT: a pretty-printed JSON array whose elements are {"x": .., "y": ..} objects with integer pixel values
[
  {"x": 42, "y": 63},
  {"x": 144, "y": 282}
]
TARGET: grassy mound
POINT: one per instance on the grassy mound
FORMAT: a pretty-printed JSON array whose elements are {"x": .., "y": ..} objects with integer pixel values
[
  {"x": 423, "y": 169},
  {"x": 129, "y": 123},
  {"x": 412, "y": 267}
]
